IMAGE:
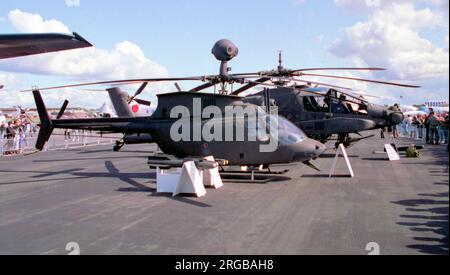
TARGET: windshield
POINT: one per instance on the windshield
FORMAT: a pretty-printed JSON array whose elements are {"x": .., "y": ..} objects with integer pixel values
[{"x": 288, "y": 133}]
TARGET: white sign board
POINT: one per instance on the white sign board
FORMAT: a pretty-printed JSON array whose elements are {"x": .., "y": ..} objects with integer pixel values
[{"x": 392, "y": 153}]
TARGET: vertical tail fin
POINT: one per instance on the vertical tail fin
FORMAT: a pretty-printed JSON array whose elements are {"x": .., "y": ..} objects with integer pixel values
[
  {"x": 119, "y": 100},
  {"x": 46, "y": 122}
]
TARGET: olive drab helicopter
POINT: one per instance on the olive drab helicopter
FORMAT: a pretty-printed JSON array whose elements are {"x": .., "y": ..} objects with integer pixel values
[
  {"x": 178, "y": 115},
  {"x": 322, "y": 112}
]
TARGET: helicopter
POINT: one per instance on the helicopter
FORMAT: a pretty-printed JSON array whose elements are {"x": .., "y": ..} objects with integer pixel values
[
  {"x": 189, "y": 124},
  {"x": 324, "y": 110}
]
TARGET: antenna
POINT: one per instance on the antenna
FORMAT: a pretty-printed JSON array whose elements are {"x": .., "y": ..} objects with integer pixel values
[{"x": 280, "y": 61}]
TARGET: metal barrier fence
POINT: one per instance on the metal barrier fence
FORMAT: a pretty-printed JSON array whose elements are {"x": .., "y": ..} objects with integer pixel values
[
  {"x": 419, "y": 132},
  {"x": 26, "y": 144}
]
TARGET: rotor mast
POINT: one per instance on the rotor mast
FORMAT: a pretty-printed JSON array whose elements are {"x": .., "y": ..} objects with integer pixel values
[
  {"x": 224, "y": 50},
  {"x": 281, "y": 81}
]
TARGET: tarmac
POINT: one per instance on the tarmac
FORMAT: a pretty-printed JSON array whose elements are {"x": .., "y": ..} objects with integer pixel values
[{"x": 106, "y": 202}]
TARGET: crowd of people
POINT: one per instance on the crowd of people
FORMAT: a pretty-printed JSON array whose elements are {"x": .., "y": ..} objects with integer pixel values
[
  {"x": 19, "y": 135},
  {"x": 14, "y": 136},
  {"x": 432, "y": 129}
]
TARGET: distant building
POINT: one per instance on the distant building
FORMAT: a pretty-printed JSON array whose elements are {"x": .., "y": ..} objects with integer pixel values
[
  {"x": 70, "y": 113},
  {"x": 437, "y": 104}
]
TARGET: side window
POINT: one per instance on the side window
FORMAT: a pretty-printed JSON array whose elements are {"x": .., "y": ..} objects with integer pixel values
[{"x": 307, "y": 104}]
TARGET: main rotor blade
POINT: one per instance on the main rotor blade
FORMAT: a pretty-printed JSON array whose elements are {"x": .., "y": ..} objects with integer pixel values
[
  {"x": 128, "y": 81},
  {"x": 361, "y": 79},
  {"x": 243, "y": 75},
  {"x": 293, "y": 72},
  {"x": 251, "y": 85},
  {"x": 366, "y": 95},
  {"x": 305, "y": 91},
  {"x": 339, "y": 69},
  {"x": 322, "y": 84},
  {"x": 94, "y": 90},
  {"x": 202, "y": 87}
]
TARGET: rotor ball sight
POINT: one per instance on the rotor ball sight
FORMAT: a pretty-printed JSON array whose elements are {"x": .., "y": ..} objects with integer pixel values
[{"x": 225, "y": 50}]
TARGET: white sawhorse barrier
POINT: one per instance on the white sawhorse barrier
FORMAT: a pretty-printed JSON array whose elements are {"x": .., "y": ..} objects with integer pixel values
[
  {"x": 187, "y": 180},
  {"x": 342, "y": 150},
  {"x": 211, "y": 178}
]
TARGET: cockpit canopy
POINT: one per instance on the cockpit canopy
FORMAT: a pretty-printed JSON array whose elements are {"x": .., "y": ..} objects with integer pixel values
[
  {"x": 278, "y": 127},
  {"x": 332, "y": 101}
]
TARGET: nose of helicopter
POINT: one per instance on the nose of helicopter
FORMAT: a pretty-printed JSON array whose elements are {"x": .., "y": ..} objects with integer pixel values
[
  {"x": 390, "y": 115},
  {"x": 307, "y": 150}
]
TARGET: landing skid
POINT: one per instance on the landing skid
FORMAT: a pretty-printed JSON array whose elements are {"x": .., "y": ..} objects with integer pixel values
[{"x": 255, "y": 176}]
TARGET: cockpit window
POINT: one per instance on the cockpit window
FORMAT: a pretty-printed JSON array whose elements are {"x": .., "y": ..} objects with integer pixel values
[{"x": 288, "y": 133}]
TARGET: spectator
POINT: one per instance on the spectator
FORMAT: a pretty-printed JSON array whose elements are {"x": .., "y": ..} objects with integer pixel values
[
  {"x": 10, "y": 136},
  {"x": 408, "y": 126},
  {"x": 2, "y": 130},
  {"x": 427, "y": 127},
  {"x": 440, "y": 138},
  {"x": 433, "y": 124},
  {"x": 67, "y": 134},
  {"x": 18, "y": 137},
  {"x": 383, "y": 133},
  {"x": 446, "y": 128},
  {"x": 416, "y": 125},
  {"x": 395, "y": 133}
]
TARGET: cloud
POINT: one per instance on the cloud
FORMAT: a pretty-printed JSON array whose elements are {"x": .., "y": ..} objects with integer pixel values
[
  {"x": 125, "y": 60},
  {"x": 391, "y": 38},
  {"x": 358, "y": 4},
  {"x": 73, "y": 3},
  {"x": 8, "y": 95},
  {"x": 442, "y": 5},
  {"x": 34, "y": 23}
]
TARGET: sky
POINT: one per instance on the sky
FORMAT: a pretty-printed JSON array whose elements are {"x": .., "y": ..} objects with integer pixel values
[{"x": 135, "y": 38}]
